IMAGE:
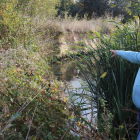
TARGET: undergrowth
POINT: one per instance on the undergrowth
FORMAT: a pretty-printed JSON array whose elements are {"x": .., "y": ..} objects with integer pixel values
[{"x": 33, "y": 103}]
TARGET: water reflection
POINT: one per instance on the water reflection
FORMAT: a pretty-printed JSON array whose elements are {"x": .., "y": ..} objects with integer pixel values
[
  {"x": 79, "y": 86},
  {"x": 77, "y": 91},
  {"x": 66, "y": 71}
]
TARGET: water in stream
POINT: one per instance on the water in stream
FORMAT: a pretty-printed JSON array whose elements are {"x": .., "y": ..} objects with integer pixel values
[{"x": 67, "y": 71}]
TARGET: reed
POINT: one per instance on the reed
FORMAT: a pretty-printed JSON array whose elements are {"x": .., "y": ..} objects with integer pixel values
[{"x": 111, "y": 79}]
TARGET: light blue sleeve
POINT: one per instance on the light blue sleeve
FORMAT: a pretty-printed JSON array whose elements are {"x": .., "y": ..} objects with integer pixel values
[{"x": 133, "y": 57}]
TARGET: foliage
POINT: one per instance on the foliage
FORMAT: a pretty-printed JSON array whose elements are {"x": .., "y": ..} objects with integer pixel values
[
  {"x": 63, "y": 6},
  {"x": 96, "y": 7},
  {"x": 17, "y": 16},
  {"x": 83, "y": 114},
  {"x": 118, "y": 8},
  {"x": 112, "y": 79},
  {"x": 32, "y": 103},
  {"x": 70, "y": 8},
  {"x": 105, "y": 121},
  {"x": 11, "y": 22},
  {"x": 93, "y": 8},
  {"x": 28, "y": 87},
  {"x": 126, "y": 9},
  {"x": 42, "y": 8}
]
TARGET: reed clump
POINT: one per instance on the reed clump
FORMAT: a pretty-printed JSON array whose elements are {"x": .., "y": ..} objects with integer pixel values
[{"x": 111, "y": 79}]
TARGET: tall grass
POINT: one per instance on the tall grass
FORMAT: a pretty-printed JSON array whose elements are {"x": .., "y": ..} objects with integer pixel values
[
  {"x": 112, "y": 79},
  {"x": 83, "y": 25}
]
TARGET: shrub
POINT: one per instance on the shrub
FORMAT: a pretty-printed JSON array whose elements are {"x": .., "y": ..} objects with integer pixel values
[{"x": 28, "y": 87}]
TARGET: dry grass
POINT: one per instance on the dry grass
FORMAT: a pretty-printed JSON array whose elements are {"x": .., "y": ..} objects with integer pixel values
[
  {"x": 58, "y": 34},
  {"x": 86, "y": 25},
  {"x": 75, "y": 25}
]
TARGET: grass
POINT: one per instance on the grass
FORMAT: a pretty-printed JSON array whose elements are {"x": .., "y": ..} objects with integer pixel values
[
  {"x": 63, "y": 35},
  {"x": 81, "y": 26},
  {"x": 112, "y": 79},
  {"x": 33, "y": 104}
]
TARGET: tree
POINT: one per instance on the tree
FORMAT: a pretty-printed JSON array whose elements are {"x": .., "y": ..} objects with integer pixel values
[
  {"x": 95, "y": 7},
  {"x": 64, "y": 6}
]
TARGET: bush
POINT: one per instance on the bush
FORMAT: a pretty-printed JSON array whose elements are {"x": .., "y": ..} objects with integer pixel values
[
  {"x": 32, "y": 103},
  {"x": 17, "y": 18},
  {"x": 28, "y": 87}
]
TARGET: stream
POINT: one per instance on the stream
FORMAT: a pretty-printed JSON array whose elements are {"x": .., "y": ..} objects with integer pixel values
[{"x": 66, "y": 71}]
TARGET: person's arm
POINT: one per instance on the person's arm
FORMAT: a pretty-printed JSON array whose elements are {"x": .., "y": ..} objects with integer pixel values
[{"x": 133, "y": 57}]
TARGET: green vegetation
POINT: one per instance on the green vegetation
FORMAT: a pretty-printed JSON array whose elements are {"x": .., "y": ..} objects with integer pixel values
[
  {"x": 33, "y": 104},
  {"x": 28, "y": 87},
  {"x": 111, "y": 79}
]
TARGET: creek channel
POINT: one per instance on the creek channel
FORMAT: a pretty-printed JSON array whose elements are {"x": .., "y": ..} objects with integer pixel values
[{"x": 67, "y": 72}]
